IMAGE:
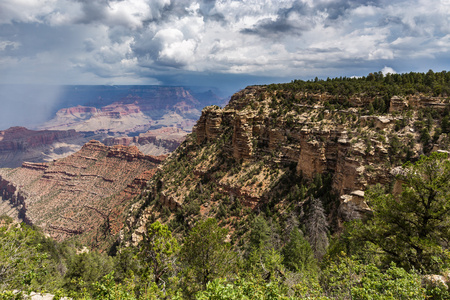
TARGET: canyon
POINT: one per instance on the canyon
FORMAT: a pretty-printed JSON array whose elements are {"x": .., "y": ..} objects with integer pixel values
[
  {"x": 19, "y": 144},
  {"x": 156, "y": 119},
  {"x": 270, "y": 149},
  {"x": 74, "y": 175},
  {"x": 82, "y": 195},
  {"x": 268, "y": 146},
  {"x": 144, "y": 108}
]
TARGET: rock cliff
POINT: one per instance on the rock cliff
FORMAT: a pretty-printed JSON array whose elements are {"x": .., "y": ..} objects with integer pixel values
[
  {"x": 159, "y": 141},
  {"x": 273, "y": 149},
  {"x": 142, "y": 109},
  {"x": 20, "y": 138},
  {"x": 81, "y": 195},
  {"x": 19, "y": 144}
]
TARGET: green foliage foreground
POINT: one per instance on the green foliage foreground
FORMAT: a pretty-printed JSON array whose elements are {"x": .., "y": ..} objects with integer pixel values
[
  {"x": 413, "y": 228},
  {"x": 384, "y": 256}
]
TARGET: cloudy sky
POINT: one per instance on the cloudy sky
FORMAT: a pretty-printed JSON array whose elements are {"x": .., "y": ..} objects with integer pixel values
[{"x": 223, "y": 43}]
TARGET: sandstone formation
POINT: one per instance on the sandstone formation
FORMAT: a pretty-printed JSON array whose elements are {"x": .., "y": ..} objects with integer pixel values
[
  {"x": 83, "y": 194},
  {"x": 159, "y": 141},
  {"x": 251, "y": 153},
  {"x": 19, "y": 144},
  {"x": 143, "y": 109},
  {"x": 313, "y": 148}
]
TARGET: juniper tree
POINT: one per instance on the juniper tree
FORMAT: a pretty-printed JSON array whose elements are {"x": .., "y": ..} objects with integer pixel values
[{"x": 159, "y": 249}]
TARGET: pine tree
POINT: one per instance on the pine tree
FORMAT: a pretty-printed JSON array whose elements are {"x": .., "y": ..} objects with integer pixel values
[
  {"x": 207, "y": 254},
  {"x": 297, "y": 253},
  {"x": 413, "y": 229},
  {"x": 259, "y": 234}
]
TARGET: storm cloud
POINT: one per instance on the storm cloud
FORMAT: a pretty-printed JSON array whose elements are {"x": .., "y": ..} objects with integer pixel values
[{"x": 167, "y": 41}]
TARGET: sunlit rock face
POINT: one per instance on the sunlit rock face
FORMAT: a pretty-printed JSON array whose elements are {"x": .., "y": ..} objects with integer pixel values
[
  {"x": 269, "y": 140},
  {"x": 19, "y": 144},
  {"x": 78, "y": 194}
]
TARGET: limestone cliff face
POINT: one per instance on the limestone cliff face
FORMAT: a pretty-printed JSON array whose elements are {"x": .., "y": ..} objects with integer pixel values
[
  {"x": 315, "y": 148},
  {"x": 19, "y": 144},
  {"x": 270, "y": 149},
  {"x": 155, "y": 142},
  {"x": 79, "y": 194},
  {"x": 20, "y": 138}
]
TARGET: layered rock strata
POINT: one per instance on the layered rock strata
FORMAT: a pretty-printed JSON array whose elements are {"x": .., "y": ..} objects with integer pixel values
[
  {"x": 19, "y": 144},
  {"x": 249, "y": 152},
  {"x": 83, "y": 194},
  {"x": 159, "y": 141},
  {"x": 142, "y": 109}
]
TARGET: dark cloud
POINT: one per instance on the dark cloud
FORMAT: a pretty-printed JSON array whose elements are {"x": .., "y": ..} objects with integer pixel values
[
  {"x": 133, "y": 41},
  {"x": 94, "y": 11},
  {"x": 278, "y": 28},
  {"x": 293, "y": 20},
  {"x": 301, "y": 17},
  {"x": 207, "y": 9},
  {"x": 145, "y": 47},
  {"x": 89, "y": 45},
  {"x": 340, "y": 9}
]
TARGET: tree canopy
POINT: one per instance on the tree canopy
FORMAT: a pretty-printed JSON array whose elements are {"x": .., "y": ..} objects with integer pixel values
[
  {"x": 413, "y": 228},
  {"x": 206, "y": 253}
]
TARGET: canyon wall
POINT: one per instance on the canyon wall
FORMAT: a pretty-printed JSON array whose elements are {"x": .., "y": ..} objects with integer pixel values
[
  {"x": 269, "y": 146},
  {"x": 19, "y": 144},
  {"x": 82, "y": 195}
]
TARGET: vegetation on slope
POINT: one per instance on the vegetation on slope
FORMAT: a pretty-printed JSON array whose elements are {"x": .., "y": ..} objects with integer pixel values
[{"x": 221, "y": 223}]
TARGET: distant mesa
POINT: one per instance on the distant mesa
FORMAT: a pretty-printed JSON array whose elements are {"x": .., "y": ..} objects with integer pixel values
[
  {"x": 159, "y": 141},
  {"x": 19, "y": 144},
  {"x": 155, "y": 119},
  {"x": 144, "y": 108}
]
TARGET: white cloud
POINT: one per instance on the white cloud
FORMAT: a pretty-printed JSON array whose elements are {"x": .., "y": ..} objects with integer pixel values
[
  {"x": 383, "y": 54},
  {"x": 25, "y": 10},
  {"x": 388, "y": 70},
  {"x": 8, "y": 44},
  {"x": 100, "y": 40}
]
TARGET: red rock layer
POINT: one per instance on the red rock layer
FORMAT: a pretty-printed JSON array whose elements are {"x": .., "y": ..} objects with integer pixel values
[
  {"x": 83, "y": 194},
  {"x": 20, "y": 138}
]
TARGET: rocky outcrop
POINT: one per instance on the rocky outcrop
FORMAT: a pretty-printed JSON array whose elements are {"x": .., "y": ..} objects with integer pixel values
[
  {"x": 242, "y": 137},
  {"x": 76, "y": 195},
  {"x": 144, "y": 108},
  {"x": 78, "y": 111},
  {"x": 315, "y": 147},
  {"x": 417, "y": 101},
  {"x": 270, "y": 149},
  {"x": 19, "y": 144},
  {"x": 352, "y": 206},
  {"x": 20, "y": 138},
  {"x": 15, "y": 199},
  {"x": 397, "y": 104},
  {"x": 314, "y": 150},
  {"x": 35, "y": 166},
  {"x": 153, "y": 142}
]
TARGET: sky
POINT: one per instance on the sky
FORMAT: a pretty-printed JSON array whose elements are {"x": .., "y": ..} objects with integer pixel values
[{"x": 222, "y": 43}]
